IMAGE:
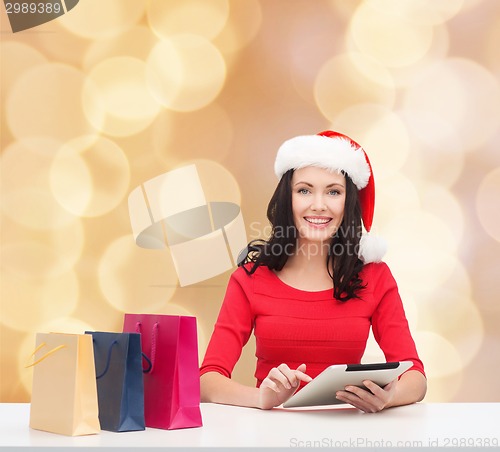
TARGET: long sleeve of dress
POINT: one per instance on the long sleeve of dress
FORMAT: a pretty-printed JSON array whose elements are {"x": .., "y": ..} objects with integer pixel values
[
  {"x": 231, "y": 332},
  {"x": 389, "y": 323}
]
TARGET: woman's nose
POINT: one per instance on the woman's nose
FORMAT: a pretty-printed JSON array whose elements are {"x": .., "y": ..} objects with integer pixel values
[{"x": 318, "y": 204}]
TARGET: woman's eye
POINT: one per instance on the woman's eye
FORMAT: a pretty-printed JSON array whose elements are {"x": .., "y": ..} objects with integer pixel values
[
  {"x": 303, "y": 191},
  {"x": 334, "y": 192}
]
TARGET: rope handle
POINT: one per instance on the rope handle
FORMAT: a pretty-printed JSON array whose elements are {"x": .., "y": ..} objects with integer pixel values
[
  {"x": 39, "y": 360},
  {"x": 154, "y": 337},
  {"x": 108, "y": 361},
  {"x": 154, "y": 340}
]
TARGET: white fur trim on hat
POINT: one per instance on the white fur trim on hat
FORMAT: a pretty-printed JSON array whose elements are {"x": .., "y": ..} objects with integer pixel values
[
  {"x": 371, "y": 248},
  {"x": 325, "y": 152}
]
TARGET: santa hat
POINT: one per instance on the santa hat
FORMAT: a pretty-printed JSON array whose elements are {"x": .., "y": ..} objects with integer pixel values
[{"x": 337, "y": 152}]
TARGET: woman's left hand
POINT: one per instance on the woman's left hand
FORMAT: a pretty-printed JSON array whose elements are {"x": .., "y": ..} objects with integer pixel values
[{"x": 370, "y": 400}]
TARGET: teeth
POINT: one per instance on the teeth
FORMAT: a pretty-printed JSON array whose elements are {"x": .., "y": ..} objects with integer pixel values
[{"x": 318, "y": 220}]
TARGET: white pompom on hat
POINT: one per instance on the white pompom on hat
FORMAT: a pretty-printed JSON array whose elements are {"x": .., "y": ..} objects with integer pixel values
[{"x": 337, "y": 152}]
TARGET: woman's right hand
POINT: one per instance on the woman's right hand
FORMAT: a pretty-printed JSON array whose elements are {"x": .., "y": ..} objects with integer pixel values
[{"x": 280, "y": 384}]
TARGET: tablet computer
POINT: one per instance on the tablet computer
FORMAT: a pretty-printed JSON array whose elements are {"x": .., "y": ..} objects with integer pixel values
[{"x": 322, "y": 389}]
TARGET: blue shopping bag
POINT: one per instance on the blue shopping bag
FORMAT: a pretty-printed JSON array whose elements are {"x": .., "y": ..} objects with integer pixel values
[{"x": 120, "y": 387}]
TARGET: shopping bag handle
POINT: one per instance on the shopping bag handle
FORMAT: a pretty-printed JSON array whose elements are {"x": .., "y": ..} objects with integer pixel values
[
  {"x": 108, "y": 361},
  {"x": 154, "y": 337},
  {"x": 39, "y": 360}
]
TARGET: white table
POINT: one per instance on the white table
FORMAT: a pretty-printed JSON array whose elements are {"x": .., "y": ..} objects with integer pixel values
[{"x": 423, "y": 424}]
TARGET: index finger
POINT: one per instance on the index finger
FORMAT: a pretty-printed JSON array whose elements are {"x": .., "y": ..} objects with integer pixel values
[{"x": 299, "y": 375}]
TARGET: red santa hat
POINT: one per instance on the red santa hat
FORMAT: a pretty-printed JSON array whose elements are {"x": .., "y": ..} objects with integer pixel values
[{"x": 337, "y": 152}]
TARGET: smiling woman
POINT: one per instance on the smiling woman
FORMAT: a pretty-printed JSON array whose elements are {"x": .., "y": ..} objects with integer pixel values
[
  {"x": 321, "y": 198},
  {"x": 312, "y": 291}
]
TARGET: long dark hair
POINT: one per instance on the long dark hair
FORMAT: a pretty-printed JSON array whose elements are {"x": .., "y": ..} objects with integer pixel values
[{"x": 343, "y": 251}]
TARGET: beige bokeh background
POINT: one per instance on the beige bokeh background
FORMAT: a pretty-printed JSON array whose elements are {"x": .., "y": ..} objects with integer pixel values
[{"x": 117, "y": 92}]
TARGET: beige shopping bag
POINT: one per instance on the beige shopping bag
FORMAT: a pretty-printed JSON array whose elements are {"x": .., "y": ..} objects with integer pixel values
[{"x": 64, "y": 395}]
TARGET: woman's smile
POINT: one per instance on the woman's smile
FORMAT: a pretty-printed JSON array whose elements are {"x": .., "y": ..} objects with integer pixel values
[{"x": 318, "y": 221}]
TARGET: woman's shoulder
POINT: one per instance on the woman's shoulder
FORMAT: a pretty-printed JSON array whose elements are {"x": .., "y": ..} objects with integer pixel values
[
  {"x": 378, "y": 276},
  {"x": 247, "y": 272},
  {"x": 376, "y": 270},
  {"x": 255, "y": 280}
]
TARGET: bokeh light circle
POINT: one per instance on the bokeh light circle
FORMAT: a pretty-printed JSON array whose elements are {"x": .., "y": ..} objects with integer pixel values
[
  {"x": 484, "y": 275},
  {"x": 56, "y": 85},
  {"x": 25, "y": 184},
  {"x": 17, "y": 58},
  {"x": 149, "y": 149},
  {"x": 405, "y": 76},
  {"x": 398, "y": 42},
  {"x": 441, "y": 202},
  {"x": 135, "y": 279},
  {"x": 421, "y": 12},
  {"x": 422, "y": 228},
  {"x": 440, "y": 356},
  {"x": 197, "y": 17},
  {"x": 56, "y": 42},
  {"x": 453, "y": 315},
  {"x": 37, "y": 300},
  {"x": 185, "y": 72},
  {"x": 43, "y": 254},
  {"x": 395, "y": 195},
  {"x": 450, "y": 311},
  {"x": 445, "y": 389},
  {"x": 487, "y": 203},
  {"x": 97, "y": 19},
  {"x": 438, "y": 148},
  {"x": 116, "y": 89},
  {"x": 219, "y": 185},
  {"x": 340, "y": 84},
  {"x": 89, "y": 176},
  {"x": 415, "y": 237},
  {"x": 212, "y": 140},
  {"x": 344, "y": 9},
  {"x": 464, "y": 94},
  {"x": 134, "y": 43},
  {"x": 242, "y": 26}
]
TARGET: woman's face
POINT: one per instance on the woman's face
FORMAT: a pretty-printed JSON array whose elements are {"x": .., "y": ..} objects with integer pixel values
[{"x": 318, "y": 198}]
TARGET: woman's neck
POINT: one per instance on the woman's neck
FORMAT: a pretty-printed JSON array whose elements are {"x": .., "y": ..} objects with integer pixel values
[
  {"x": 310, "y": 254},
  {"x": 307, "y": 268}
]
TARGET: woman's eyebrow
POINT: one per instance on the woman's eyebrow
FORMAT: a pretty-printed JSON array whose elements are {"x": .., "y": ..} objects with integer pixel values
[{"x": 311, "y": 185}]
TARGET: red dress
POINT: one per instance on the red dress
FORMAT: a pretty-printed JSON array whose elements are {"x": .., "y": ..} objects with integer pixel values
[{"x": 294, "y": 326}]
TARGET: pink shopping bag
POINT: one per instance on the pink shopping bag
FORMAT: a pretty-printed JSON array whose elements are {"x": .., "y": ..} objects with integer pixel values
[{"x": 171, "y": 378}]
